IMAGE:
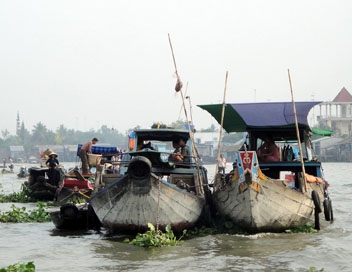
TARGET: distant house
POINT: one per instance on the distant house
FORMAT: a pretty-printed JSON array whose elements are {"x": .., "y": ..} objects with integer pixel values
[
  {"x": 337, "y": 114},
  {"x": 17, "y": 153}
]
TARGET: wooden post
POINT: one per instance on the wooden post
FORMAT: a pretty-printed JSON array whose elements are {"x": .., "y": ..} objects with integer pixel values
[
  {"x": 298, "y": 135},
  {"x": 221, "y": 124}
]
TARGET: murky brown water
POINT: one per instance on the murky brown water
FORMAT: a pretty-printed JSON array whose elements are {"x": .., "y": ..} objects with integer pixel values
[{"x": 54, "y": 250}]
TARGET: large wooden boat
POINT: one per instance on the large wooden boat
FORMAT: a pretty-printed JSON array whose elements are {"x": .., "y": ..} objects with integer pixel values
[
  {"x": 278, "y": 193},
  {"x": 150, "y": 189}
]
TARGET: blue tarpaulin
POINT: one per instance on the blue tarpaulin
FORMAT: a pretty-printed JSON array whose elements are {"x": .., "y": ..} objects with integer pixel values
[
  {"x": 103, "y": 150},
  {"x": 240, "y": 117}
]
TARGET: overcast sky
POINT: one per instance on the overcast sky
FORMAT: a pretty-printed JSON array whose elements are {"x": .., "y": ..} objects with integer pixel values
[{"x": 87, "y": 63}]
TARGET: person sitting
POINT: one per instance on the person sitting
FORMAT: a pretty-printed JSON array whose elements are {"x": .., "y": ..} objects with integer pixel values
[
  {"x": 181, "y": 153},
  {"x": 269, "y": 151},
  {"x": 143, "y": 145}
]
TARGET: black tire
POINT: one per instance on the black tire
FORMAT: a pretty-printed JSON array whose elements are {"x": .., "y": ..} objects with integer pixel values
[
  {"x": 316, "y": 220},
  {"x": 316, "y": 200},
  {"x": 69, "y": 211},
  {"x": 328, "y": 210}
]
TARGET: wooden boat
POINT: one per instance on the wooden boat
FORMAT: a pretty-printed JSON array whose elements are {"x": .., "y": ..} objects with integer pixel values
[
  {"x": 75, "y": 212},
  {"x": 23, "y": 172},
  {"x": 275, "y": 195},
  {"x": 72, "y": 216},
  {"x": 153, "y": 190},
  {"x": 75, "y": 185},
  {"x": 41, "y": 185}
]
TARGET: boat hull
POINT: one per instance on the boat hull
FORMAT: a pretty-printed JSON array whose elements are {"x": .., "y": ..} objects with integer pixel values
[
  {"x": 75, "y": 217},
  {"x": 128, "y": 205},
  {"x": 269, "y": 206},
  {"x": 256, "y": 203}
]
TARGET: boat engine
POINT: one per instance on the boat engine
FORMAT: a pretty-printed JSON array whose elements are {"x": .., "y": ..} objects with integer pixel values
[{"x": 139, "y": 170}]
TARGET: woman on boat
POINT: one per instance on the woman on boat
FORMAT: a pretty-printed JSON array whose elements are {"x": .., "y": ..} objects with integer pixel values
[
  {"x": 52, "y": 163},
  {"x": 269, "y": 151}
]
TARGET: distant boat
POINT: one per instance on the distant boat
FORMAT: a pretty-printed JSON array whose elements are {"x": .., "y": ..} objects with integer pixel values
[
  {"x": 271, "y": 195},
  {"x": 150, "y": 189},
  {"x": 23, "y": 172}
]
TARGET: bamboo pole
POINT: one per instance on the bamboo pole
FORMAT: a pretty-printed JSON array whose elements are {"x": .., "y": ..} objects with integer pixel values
[
  {"x": 194, "y": 150},
  {"x": 221, "y": 124},
  {"x": 297, "y": 132}
]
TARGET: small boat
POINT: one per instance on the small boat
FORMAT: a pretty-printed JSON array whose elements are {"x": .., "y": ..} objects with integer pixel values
[
  {"x": 23, "y": 172},
  {"x": 74, "y": 184},
  {"x": 72, "y": 216},
  {"x": 150, "y": 189},
  {"x": 278, "y": 192},
  {"x": 41, "y": 184},
  {"x": 75, "y": 213}
]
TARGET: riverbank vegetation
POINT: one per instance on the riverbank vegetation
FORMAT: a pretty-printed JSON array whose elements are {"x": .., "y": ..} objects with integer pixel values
[{"x": 21, "y": 215}]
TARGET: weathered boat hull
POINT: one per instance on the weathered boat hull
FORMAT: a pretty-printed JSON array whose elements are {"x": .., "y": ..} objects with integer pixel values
[
  {"x": 257, "y": 203},
  {"x": 75, "y": 217},
  {"x": 265, "y": 205},
  {"x": 128, "y": 205}
]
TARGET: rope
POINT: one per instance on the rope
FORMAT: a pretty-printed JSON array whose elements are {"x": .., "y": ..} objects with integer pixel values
[{"x": 157, "y": 213}]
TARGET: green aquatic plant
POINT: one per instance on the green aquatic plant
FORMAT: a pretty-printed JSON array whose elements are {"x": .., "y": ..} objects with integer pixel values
[
  {"x": 19, "y": 267},
  {"x": 21, "y": 196},
  {"x": 156, "y": 238},
  {"x": 75, "y": 199},
  {"x": 20, "y": 215},
  {"x": 313, "y": 269},
  {"x": 307, "y": 228}
]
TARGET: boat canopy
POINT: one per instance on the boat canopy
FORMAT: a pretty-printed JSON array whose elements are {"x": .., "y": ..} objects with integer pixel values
[
  {"x": 160, "y": 134},
  {"x": 240, "y": 117},
  {"x": 322, "y": 132}
]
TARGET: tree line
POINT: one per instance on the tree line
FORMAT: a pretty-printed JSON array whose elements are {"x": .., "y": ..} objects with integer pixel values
[{"x": 41, "y": 135}]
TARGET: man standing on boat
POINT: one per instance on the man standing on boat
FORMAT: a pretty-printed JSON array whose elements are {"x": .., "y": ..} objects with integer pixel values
[
  {"x": 85, "y": 150},
  {"x": 222, "y": 164}
]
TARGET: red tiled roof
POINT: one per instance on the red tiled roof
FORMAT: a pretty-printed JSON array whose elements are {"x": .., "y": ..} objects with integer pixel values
[{"x": 343, "y": 96}]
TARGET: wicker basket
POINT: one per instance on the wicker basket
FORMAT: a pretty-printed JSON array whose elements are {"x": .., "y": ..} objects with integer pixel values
[{"x": 94, "y": 159}]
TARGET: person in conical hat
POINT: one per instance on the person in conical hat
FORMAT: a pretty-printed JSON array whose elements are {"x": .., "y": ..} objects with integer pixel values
[
  {"x": 52, "y": 162},
  {"x": 53, "y": 173}
]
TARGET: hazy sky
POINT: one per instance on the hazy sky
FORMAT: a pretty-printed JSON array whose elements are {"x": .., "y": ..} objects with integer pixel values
[{"x": 88, "y": 63}]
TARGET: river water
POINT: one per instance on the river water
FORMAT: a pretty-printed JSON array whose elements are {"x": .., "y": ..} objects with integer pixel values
[{"x": 52, "y": 250}]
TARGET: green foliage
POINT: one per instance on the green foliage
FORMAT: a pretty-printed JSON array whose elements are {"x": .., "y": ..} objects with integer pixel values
[
  {"x": 222, "y": 225},
  {"x": 23, "y": 267},
  {"x": 21, "y": 196},
  {"x": 313, "y": 269},
  {"x": 76, "y": 199},
  {"x": 20, "y": 215},
  {"x": 307, "y": 228},
  {"x": 156, "y": 238}
]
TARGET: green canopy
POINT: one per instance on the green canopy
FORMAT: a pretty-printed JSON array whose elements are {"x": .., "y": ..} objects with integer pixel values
[{"x": 322, "y": 132}]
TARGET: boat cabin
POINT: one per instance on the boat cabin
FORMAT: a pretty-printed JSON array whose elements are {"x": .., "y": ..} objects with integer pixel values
[
  {"x": 288, "y": 160},
  {"x": 275, "y": 121}
]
